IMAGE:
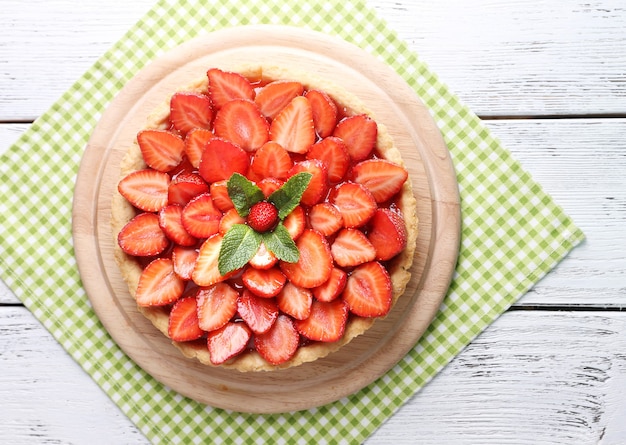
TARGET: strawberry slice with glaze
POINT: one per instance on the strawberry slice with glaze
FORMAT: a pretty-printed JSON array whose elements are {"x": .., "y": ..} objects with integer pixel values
[
  {"x": 269, "y": 185},
  {"x": 222, "y": 158},
  {"x": 184, "y": 187},
  {"x": 293, "y": 127},
  {"x": 333, "y": 287},
  {"x": 200, "y": 217},
  {"x": 295, "y": 301},
  {"x": 219, "y": 193},
  {"x": 171, "y": 222},
  {"x": 325, "y": 218},
  {"x": 271, "y": 161},
  {"x": 355, "y": 202},
  {"x": 263, "y": 258},
  {"x": 259, "y": 313},
  {"x": 351, "y": 248},
  {"x": 229, "y": 219},
  {"x": 184, "y": 259},
  {"x": 333, "y": 153},
  {"x": 145, "y": 189},
  {"x": 359, "y": 132},
  {"x": 324, "y": 112},
  {"x": 217, "y": 305},
  {"x": 143, "y": 236},
  {"x": 225, "y": 86},
  {"x": 158, "y": 284},
  {"x": 318, "y": 186},
  {"x": 228, "y": 341},
  {"x": 326, "y": 323},
  {"x": 387, "y": 233},
  {"x": 384, "y": 179},
  {"x": 265, "y": 283},
  {"x": 183, "y": 321},
  {"x": 206, "y": 272},
  {"x": 276, "y": 95},
  {"x": 279, "y": 344},
  {"x": 190, "y": 110},
  {"x": 368, "y": 290},
  {"x": 161, "y": 150},
  {"x": 295, "y": 222},
  {"x": 195, "y": 143},
  {"x": 241, "y": 122},
  {"x": 315, "y": 264}
]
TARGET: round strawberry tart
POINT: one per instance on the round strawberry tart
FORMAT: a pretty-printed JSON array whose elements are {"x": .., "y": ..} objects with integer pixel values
[{"x": 263, "y": 218}]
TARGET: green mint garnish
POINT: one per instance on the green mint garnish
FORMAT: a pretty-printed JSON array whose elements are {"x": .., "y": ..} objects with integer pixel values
[
  {"x": 280, "y": 243},
  {"x": 288, "y": 196},
  {"x": 238, "y": 246},
  {"x": 243, "y": 193}
]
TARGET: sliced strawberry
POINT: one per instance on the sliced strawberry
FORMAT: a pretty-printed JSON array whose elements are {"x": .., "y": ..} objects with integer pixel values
[
  {"x": 295, "y": 301},
  {"x": 171, "y": 222},
  {"x": 333, "y": 287},
  {"x": 269, "y": 185},
  {"x": 206, "y": 272},
  {"x": 200, "y": 217},
  {"x": 318, "y": 187},
  {"x": 315, "y": 263},
  {"x": 229, "y": 219},
  {"x": 368, "y": 290},
  {"x": 387, "y": 233},
  {"x": 217, "y": 304},
  {"x": 351, "y": 248},
  {"x": 324, "y": 112},
  {"x": 161, "y": 150},
  {"x": 228, "y": 341},
  {"x": 275, "y": 96},
  {"x": 333, "y": 153},
  {"x": 263, "y": 258},
  {"x": 195, "y": 142},
  {"x": 293, "y": 127},
  {"x": 145, "y": 189},
  {"x": 221, "y": 159},
  {"x": 184, "y": 259},
  {"x": 184, "y": 187},
  {"x": 381, "y": 177},
  {"x": 225, "y": 86},
  {"x": 325, "y": 218},
  {"x": 359, "y": 132},
  {"x": 158, "y": 284},
  {"x": 355, "y": 202},
  {"x": 265, "y": 283},
  {"x": 183, "y": 320},
  {"x": 241, "y": 122},
  {"x": 258, "y": 313},
  {"x": 295, "y": 222},
  {"x": 219, "y": 193},
  {"x": 279, "y": 343},
  {"x": 142, "y": 236},
  {"x": 189, "y": 111},
  {"x": 271, "y": 161},
  {"x": 326, "y": 323}
]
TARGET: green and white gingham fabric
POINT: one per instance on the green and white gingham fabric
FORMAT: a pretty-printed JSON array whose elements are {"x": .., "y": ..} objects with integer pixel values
[{"x": 513, "y": 233}]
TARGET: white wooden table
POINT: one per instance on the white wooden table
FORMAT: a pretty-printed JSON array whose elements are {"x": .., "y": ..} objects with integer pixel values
[{"x": 549, "y": 79}]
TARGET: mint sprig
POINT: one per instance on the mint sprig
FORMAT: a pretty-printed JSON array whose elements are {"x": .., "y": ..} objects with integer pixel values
[
  {"x": 243, "y": 193},
  {"x": 239, "y": 245}
]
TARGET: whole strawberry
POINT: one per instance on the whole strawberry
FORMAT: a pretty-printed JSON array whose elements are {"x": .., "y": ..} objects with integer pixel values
[{"x": 263, "y": 216}]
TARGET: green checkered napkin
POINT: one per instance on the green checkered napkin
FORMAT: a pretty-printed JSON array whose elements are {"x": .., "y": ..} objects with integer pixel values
[{"x": 513, "y": 233}]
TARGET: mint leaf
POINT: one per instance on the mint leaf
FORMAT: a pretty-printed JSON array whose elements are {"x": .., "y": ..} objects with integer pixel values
[
  {"x": 238, "y": 246},
  {"x": 280, "y": 243},
  {"x": 243, "y": 193},
  {"x": 288, "y": 196}
]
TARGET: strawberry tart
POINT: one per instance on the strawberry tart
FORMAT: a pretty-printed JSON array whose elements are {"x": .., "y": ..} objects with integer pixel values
[{"x": 263, "y": 218}]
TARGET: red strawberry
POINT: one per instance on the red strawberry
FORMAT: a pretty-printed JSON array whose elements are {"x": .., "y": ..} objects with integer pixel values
[
  {"x": 189, "y": 111},
  {"x": 263, "y": 258},
  {"x": 142, "y": 236},
  {"x": 269, "y": 185},
  {"x": 171, "y": 222},
  {"x": 271, "y": 161},
  {"x": 359, "y": 132},
  {"x": 217, "y": 304},
  {"x": 183, "y": 320},
  {"x": 228, "y": 341},
  {"x": 161, "y": 150},
  {"x": 324, "y": 112},
  {"x": 229, "y": 219},
  {"x": 381, "y": 177},
  {"x": 387, "y": 233},
  {"x": 351, "y": 248},
  {"x": 225, "y": 86},
  {"x": 145, "y": 189},
  {"x": 263, "y": 216},
  {"x": 295, "y": 301},
  {"x": 206, "y": 272},
  {"x": 258, "y": 313},
  {"x": 326, "y": 323},
  {"x": 265, "y": 283},
  {"x": 295, "y": 222},
  {"x": 333, "y": 153},
  {"x": 241, "y": 122},
  {"x": 368, "y": 290},
  {"x": 275, "y": 96},
  {"x": 325, "y": 218},
  {"x": 184, "y": 187},
  {"x": 318, "y": 187},
  {"x": 158, "y": 284},
  {"x": 293, "y": 127},
  {"x": 219, "y": 193},
  {"x": 195, "y": 142},
  {"x": 184, "y": 259},
  {"x": 355, "y": 202},
  {"x": 279, "y": 343},
  {"x": 333, "y": 287},
  {"x": 221, "y": 159},
  {"x": 201, "y": 218},
  {"x": 184, "y": 167},
  {"x": 315, "y": 263}
]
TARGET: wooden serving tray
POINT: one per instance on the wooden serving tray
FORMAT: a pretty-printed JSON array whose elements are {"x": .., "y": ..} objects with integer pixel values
[{"x": 364, "y": 359}]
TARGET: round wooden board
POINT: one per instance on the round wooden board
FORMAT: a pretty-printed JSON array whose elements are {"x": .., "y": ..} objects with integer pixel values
[{"x": 368, "y": 356}]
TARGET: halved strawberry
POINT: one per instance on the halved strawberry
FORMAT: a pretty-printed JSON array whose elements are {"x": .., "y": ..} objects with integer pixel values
[
  {"x": 190, "y": 110},
  {"x": 279, "y": 343},
  {"x": 171, "y": 222},
  {"x": 162, "y": 150},
  {"x": 325, "y": 218},
  {"x": 228, "y": 341},
  {"x": 184, "y": 259},
  {"x": 263, "y": 258},
  {"x": 381, "y": 177},
  {"x": 355, "y": 202},
  {"x": 324, "y": 112},
  {"x": 241, "y": 122},
  {"x": 222, "y": 158},
  {"x": 183, "y": 321},
  {"x": 259, "y": 313},
  {"x": 269, "y": 185},
  {"x": 145, "y": 189},
  {"x": 206, "y": 272},
  {"x": 195, "y": 142},
  {"x": 158, "y": 284},
  {"x": 368, "y": 290},
  {"x": 318, "y": 186},
  {"x": 295, "y": 222},
  {"x": 333, "y": 287},
  {"x": 265, "y": 283},
  {"x": 315, "y": 263},
  {"x": 359, "y": 132},
  {"x": 293, "y": 126},
  {"x": 217, "y": 304},
  {"x": 142, "y": 236},
  {"x": 219, "y": 193},
  {"x": 276, "y": 95},
  {"x": 326, "y": 323},
  {"x": 184, "y": 187},
  {"x": 200, "y": 217},
  {"x": 351, "y": 248},
  {"x": 229, "y": 219},
  {"x": 295, "y": 301},
  {"x": 387, "y": 233},
  {"x": 333, "y": 153},
  {"x": 271, "y": 161},
  {"x": 225, "y": 86}
]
